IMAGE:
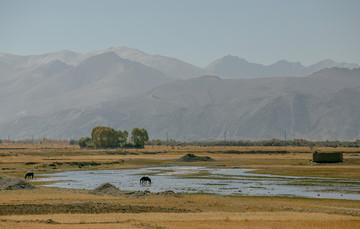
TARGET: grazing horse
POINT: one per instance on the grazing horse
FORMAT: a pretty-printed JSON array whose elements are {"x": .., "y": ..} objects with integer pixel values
[
  {"x": 145, "y": 180},
  {"x": 29, "y": 175}
]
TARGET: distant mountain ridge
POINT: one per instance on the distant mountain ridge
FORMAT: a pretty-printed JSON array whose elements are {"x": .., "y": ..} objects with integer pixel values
[
  {"x": 170, "y": 66},
  {"x": 55, "y": 85},
  {"x": 68, "y": 93},
  {"x": 226, "y": 67},
  {"x": 321, "y": 106},
  {"x": 235, "y": 67}
]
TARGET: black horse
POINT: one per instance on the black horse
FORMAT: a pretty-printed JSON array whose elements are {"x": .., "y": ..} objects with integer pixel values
[
  {"x": 29, "y": 175},
  {"x": 145, "y": 180}
]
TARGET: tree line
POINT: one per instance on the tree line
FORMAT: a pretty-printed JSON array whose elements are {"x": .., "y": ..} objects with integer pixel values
[
  {"x": 270, "y": 142},
  {"x": 107, "y": 137},
  {"x": 140, "y": 137}
]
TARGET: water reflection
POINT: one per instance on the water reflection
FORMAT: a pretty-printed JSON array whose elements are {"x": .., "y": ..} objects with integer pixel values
[{"x": 198, "y": 179}]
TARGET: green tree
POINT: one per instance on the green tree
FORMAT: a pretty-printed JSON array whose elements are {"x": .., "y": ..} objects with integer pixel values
[
  {"x": 123, "y": 137},
  {"x": 105, "y": 137},
  {"x": 139, "y": 137},
  {"x": 125, "y": 134},
  {"x": 85, "y": 142},
  {"x": 73, "y": 142}
]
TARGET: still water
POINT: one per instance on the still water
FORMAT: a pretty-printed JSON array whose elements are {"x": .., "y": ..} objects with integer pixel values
[{"x": 199, "y": 179}]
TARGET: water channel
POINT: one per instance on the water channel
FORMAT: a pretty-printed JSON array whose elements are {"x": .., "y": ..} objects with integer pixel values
[{"x": 201, "y": 179}]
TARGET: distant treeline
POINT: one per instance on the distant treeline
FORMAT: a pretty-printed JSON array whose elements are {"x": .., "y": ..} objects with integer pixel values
[
  {"x": 35, "y": 141},
  {"x": 271, "y": 142}
]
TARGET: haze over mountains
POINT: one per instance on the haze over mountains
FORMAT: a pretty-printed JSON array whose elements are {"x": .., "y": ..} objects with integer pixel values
[
  {"x": 51, "y": 85},
  {"x": 235, "y": 67},
  {"x": 67, "y": 94}
]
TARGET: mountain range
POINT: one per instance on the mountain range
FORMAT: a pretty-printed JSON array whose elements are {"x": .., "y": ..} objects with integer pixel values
[
  {"x": 67, "y": 94},
  {"x": 236, "y": 67},
  {"x": 54, "y": 85}
]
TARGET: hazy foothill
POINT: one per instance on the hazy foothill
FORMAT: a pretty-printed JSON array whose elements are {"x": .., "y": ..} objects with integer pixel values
[{"x": 66, "y": 94}]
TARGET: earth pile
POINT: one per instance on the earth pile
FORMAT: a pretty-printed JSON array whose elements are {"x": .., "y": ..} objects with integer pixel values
[
  {"x": 8, "y": 183},
  {"x": 193, "y": 158}
]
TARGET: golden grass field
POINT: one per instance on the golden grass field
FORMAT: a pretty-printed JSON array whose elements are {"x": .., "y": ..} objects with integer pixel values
[{"x": 188, "y": 211}]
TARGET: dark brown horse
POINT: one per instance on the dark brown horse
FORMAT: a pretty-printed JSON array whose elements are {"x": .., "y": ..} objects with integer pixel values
[
  {"x": 145, "y": 180},
  {"x": 29, "y": 175}
]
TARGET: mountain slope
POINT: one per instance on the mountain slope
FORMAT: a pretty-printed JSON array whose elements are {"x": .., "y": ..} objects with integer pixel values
[
  {"x": 323, "y": 105},
  {"x": 170, "y": 66},
  {"x": 56, "y": 86}
]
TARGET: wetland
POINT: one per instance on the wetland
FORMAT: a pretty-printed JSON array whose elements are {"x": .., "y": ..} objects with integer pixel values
[
  {"x": 209, "y": 180},
  {"x": 244, "y": 190}
]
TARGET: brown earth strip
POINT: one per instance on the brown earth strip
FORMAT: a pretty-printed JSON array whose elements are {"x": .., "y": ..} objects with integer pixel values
[{"x": 84, "y": 208}]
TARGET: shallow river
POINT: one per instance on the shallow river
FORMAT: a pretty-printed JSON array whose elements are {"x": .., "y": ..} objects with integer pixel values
[{"x": 199, "y": 179}]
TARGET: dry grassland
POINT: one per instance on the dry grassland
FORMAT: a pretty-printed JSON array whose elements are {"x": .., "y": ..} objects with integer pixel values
[
  {"x": 58, "y": 208},
  {"x": 280, "y": 220},
  {"x": 206, "y": 211}
]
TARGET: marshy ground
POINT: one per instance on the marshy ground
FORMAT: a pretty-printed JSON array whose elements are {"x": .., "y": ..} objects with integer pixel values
[{"x": 71, "y": 208}]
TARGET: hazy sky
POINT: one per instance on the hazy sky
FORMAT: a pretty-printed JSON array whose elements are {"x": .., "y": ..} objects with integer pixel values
[{"x": 196, "y": 31}]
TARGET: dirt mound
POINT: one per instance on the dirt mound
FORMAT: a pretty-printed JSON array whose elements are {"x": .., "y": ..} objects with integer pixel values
[
  {"x": 168, "y": 193},
  {"x": 106, "y": 189},
  {"x": 8, "y": 183},
  {"x": 137, "y": 194},
  {"x": 148, "y": 193},
  {"x": 192, "y": 158}
]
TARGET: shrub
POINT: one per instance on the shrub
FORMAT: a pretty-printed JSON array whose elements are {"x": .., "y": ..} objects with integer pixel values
[{"x": 86, "y": 142}]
